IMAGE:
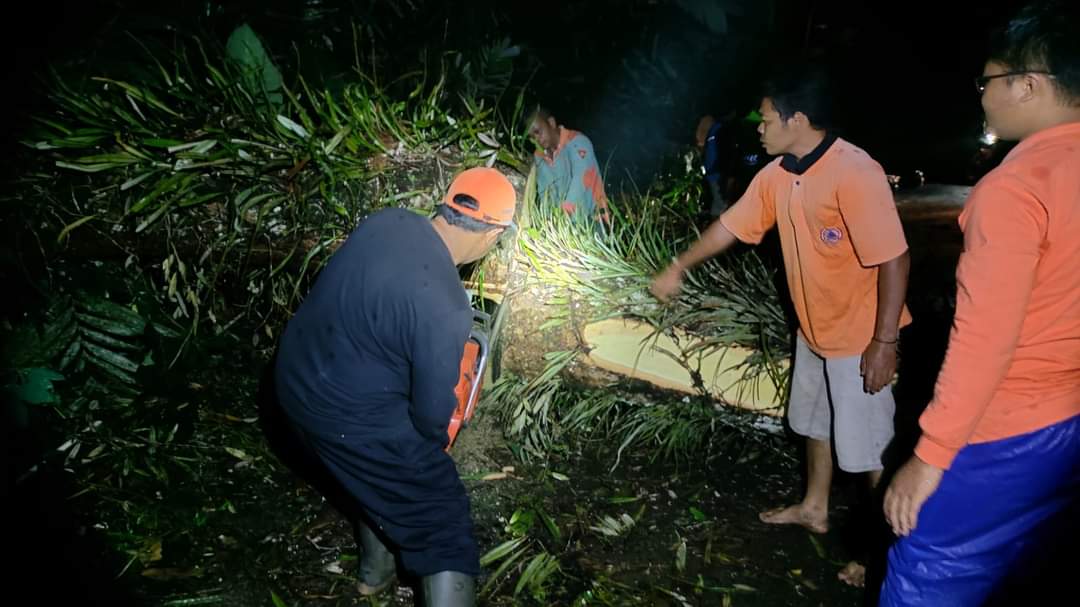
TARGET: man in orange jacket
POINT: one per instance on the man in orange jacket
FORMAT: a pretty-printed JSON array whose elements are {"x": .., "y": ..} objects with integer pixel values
[{"x": 997, "y": 469}]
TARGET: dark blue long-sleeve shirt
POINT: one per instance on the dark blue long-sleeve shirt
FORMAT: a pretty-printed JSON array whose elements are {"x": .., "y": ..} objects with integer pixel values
[
  {"x": 713, "y": 152},
  {"x": 374, "y": 352}
]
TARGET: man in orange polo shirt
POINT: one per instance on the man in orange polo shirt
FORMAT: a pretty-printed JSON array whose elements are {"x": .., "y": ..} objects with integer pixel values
[
  {"x": 847, "y": 265},
  {"x": 997, "y": 470}
]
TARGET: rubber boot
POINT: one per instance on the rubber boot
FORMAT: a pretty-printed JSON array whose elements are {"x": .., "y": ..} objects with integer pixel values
[
  {"x": 377, "y": 566},
  {"x": 449, "y": 589}
]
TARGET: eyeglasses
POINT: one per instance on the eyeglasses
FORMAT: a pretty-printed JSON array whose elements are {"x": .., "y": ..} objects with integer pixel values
[{"x": 982, "y": 81}]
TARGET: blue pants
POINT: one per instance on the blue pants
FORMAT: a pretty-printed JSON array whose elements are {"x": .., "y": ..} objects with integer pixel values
[
  {"x": 997, "y": 508},
  {"x": 409, "y": 494},
  {"x": 419, "y": 503}
]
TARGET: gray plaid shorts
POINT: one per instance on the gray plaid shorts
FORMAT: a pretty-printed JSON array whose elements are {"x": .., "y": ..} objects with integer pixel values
[{"x": 828, "y": 401}]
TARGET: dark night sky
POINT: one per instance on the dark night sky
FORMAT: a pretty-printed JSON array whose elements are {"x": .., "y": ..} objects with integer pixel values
[
  {"x": 908, "y": 65},
  {"x": 909, "y": 70}
]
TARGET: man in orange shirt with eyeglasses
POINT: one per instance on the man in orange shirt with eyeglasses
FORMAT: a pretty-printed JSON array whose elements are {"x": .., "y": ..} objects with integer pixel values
[{"x": 996, "y": 474}]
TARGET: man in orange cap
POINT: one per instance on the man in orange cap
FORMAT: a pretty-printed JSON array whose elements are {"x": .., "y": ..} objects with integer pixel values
[{"x": 366, "y": 372}]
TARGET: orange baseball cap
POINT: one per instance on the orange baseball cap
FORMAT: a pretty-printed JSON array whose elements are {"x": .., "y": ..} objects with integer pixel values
[{"x": 484, "y": 194}]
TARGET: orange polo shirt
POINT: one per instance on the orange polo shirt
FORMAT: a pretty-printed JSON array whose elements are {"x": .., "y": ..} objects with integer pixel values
[
  {"x": 1013, "y": 363},
  {"x": 837, "y": 223}
]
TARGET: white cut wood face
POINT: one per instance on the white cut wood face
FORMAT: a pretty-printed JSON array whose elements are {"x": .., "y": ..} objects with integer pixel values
[{"x": 624, "y": 347}]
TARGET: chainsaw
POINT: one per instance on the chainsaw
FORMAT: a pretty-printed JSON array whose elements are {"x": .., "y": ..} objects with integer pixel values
[{"x": 473, "y": 364}]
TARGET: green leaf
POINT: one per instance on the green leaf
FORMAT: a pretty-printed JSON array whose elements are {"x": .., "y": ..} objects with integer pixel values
[
  {"x": 521, "y": 521},
  {"x": 680, "y": 556},
  {"x": 35, "y": 386},
  {"x": 113, "y": 326},
  {"x": 107, "y": 340},
  {"x": 161, "y": 143},
  {"x": 501, "y": 551},
  {"x": 296, "y": 129},
  {"x": 506, "y": 564},
  {"x": 173, "y": 182},
  {"x": 153, "y": 217},
  {"x": 70, "y": 354},
  {"x": 91, "y": 167},
  {"x": 536, "y": 572},
  {"x": 113, "y": 358},
  {"x": 108, "y": 309},
  {"x": 336, "y": 141},
  {"x": 238, "y": 453},
  {"x": 165, "y": 331},
  {"x": 108, "y": 368},
  {"x": 552, "y": 527},
  {"x": 140, "y": 94},
  {"x": 134, "y": 181},
  {"x": 71, "y": 226},
  {"x": 199, "y": 199}
]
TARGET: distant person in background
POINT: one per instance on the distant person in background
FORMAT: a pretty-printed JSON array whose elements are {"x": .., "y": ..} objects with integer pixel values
[
  {"x": 714, "y": 141},
  {"x": 994, "y": 485},
  {"x": 745, "y": 155},
  {"x": 567, "y": 174}
]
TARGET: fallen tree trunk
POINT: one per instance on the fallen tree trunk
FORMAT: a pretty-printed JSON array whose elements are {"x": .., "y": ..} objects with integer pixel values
[
  {"x": 630, "y": 348},
  {"x": 627, "y": 352}
]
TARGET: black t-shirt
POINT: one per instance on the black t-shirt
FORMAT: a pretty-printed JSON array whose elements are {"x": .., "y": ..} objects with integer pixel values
[{"x": 375, "y": 349}]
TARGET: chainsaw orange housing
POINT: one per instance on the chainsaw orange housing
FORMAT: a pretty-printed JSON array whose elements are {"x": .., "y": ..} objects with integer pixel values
[{"x": 470, "y": 363}]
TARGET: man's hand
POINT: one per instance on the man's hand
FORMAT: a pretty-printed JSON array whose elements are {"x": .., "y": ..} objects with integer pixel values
[
  {"x": 878, "y": 365},
  {"x": 913, "y": 484},
  {"x": 668, "y": 283}
]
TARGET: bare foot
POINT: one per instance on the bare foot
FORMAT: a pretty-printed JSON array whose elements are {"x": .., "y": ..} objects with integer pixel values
[
  {"x": 853, "y": 574},
  {"x": 815, "y": 521}
]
